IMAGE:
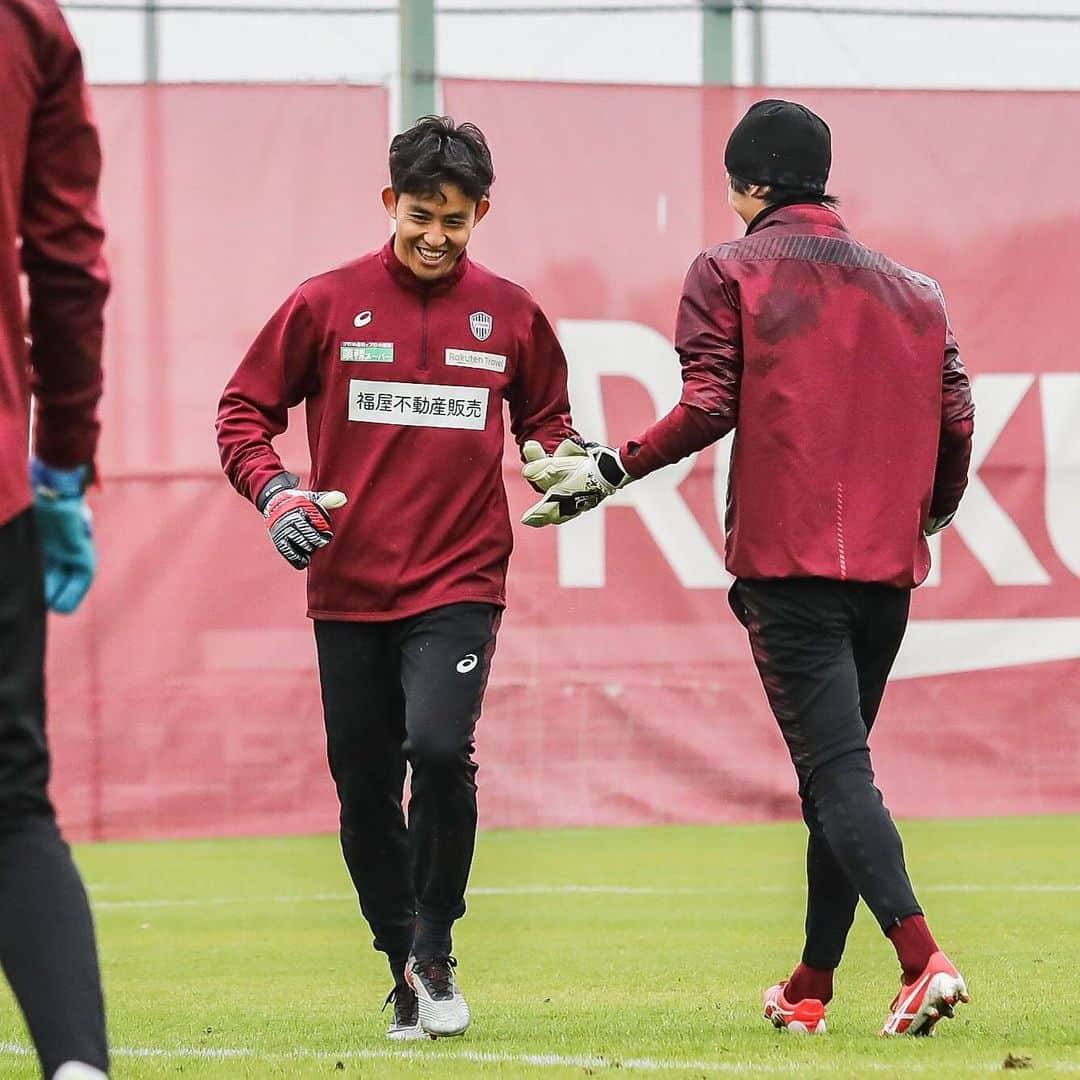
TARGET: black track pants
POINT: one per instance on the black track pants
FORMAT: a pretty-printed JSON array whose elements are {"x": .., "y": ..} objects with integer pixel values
[
  {"x": 395, "y": 692},
  {"x": 824, "y": 650},
  {"x": 47, "y": 945}
]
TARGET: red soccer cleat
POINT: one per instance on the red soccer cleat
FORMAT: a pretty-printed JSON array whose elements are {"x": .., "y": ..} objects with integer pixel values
[
  {"x": 806, "y": 1017},
  {"x": 931, "y": 997}
]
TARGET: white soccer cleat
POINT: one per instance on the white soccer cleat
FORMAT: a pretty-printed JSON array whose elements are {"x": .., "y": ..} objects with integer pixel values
[
  {"x": 443, "y": 1009},
  {"x": 931, "y": 997},
  {"x": 76, "y": 1070},
  {"x": 805, "y": 1017},
  {"x": 405, "y": 1024}
]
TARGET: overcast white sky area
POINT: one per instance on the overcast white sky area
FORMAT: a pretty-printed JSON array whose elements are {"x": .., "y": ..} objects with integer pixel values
[{"x": 806, "y": 42}]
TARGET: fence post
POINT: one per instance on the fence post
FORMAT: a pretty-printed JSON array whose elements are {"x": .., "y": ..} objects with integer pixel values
[
  {"x": 757, "y": 53},
  {"x": 717, "y": 43},
  {"x": 151, "y": 47},
  {"x": 417, "y": 69}
]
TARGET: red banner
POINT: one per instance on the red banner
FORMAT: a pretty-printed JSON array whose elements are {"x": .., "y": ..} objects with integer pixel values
[{"x": 184, "y": 700}]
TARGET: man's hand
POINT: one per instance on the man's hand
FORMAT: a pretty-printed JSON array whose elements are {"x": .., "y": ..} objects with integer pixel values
[
  {"x": 936, "y": 524},
  {"x": 67, "y": 536},
  {"x": 543, "y": 471},
  {"x": 297, "y": 520},
  {"x": 574, "y": 479}
]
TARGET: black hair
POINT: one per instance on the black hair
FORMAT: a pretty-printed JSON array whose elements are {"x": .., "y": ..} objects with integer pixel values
[
  {"x": 436, "y": 151},
  {"x": 776, "y": 195}
]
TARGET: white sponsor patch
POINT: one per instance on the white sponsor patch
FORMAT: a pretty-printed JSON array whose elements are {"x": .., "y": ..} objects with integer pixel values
[
  {"x": 418, "y": 404},
  {"x": 368, "y": 352},
  {"x": 467, "y": 358}
]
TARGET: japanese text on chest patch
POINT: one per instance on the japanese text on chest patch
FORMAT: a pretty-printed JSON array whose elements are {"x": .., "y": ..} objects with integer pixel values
[
  {"x": 418, "y": 404},
  {"x": 467, "y": 358},
  {"x": 370, "y": 352}
]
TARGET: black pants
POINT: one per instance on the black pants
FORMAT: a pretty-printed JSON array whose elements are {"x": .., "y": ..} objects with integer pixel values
[
  {"x": 46, "y": 934},
  {"x": 824, "y": 650},
  {"x": 395, "y": 692}
]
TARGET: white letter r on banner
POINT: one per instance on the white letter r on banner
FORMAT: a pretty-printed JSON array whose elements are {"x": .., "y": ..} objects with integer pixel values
[{"x": 595, "y": 348}]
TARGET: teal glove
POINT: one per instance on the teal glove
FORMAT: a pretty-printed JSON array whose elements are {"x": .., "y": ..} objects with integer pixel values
[{"x": 67, "y": 535}]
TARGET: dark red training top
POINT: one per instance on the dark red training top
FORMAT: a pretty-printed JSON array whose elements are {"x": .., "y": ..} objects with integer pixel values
[
  {"x": 840, "y": 374},
  {"x": 403, "y": 384},
  {"x": 50, "y": 161}
]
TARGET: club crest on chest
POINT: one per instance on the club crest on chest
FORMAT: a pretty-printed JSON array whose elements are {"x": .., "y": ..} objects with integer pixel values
[{"x": 480, "y": 322}]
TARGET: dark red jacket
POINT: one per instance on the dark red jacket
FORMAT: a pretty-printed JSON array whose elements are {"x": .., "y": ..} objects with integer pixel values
[
  {"x": 840, "y": 374},
  {"x": 404, "y": 385},
  {"x": 49, "y": 166}
]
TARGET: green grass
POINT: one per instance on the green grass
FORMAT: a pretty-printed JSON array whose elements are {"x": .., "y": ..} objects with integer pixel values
[{"x": 270, "y": 957}]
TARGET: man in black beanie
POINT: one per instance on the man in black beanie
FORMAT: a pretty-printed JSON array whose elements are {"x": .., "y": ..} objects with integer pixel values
[
  {"x": 839, "y": 373},
  {"x": 781, "y": 145}
]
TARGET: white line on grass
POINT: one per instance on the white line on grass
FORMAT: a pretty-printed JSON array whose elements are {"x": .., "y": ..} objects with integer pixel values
[
  {"x": 552, "y": 890},
  {"x": 218, "y": 901},
  {"x": 612, "y": 890},
  {"x": 645, "y": 890},
  {"x": 1002, "y": 888},
  {"x": 488, "y": 1057}
]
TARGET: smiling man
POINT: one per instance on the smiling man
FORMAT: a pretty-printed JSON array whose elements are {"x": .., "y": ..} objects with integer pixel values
[{"x": 403, "y": 360}]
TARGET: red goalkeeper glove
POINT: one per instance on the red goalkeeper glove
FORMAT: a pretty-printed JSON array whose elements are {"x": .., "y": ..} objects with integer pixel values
[{"x": 297, "y": 520}]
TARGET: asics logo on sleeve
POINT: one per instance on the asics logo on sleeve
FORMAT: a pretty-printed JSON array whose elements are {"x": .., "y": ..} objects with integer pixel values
[
  {"x": 467, "y": 663},
  {"x": 362, "y": 319}
]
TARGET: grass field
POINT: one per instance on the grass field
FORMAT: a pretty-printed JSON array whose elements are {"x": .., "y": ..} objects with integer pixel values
[{"x": 584, "y": 951}]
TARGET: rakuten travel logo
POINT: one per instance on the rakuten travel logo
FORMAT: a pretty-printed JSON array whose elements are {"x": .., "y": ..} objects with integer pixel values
[{"x": 996, "y": 541}]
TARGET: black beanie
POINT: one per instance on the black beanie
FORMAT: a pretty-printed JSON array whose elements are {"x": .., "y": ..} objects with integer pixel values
[{"x": 780, "y": 143}]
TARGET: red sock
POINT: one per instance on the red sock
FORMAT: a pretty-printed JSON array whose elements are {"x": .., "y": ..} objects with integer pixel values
[
  {"x": 914, "y": 945},
  {"x": 808, "y": 982}
]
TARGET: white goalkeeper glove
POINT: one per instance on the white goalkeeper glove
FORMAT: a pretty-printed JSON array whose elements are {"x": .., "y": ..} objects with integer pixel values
[
  {"x": 574, "y": 479},
  {"x": 297, "y": 521},
  {"x": 936, "y": 524}
]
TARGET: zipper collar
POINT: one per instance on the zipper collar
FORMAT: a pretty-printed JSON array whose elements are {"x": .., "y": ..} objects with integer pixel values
[
  {"x": 797, "y": 214},
  {"x": 408, "y": 280}
]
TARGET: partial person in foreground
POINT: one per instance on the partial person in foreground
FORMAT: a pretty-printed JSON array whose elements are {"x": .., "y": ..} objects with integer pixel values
[
  {"x": 838, "y": 371},
  {"x": 50, "y": 229},
  {"x": 403, "y": 360}
]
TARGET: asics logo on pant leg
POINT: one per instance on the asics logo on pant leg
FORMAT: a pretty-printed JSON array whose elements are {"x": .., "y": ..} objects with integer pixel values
[{"x": 467, "y": 663}]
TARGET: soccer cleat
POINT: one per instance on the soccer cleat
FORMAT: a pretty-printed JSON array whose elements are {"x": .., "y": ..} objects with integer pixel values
[
  {"x": 806, "y": 1017},
  {"x": 933, "y": 996},
  {"x": 406, "y": 1022},
  {"x": 443, "y": 1010}
]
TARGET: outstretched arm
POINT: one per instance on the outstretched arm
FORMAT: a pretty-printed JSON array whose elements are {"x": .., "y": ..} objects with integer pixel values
[
  {"x": 954, "y": 448},
  {"x": 708, "y": 341}
]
